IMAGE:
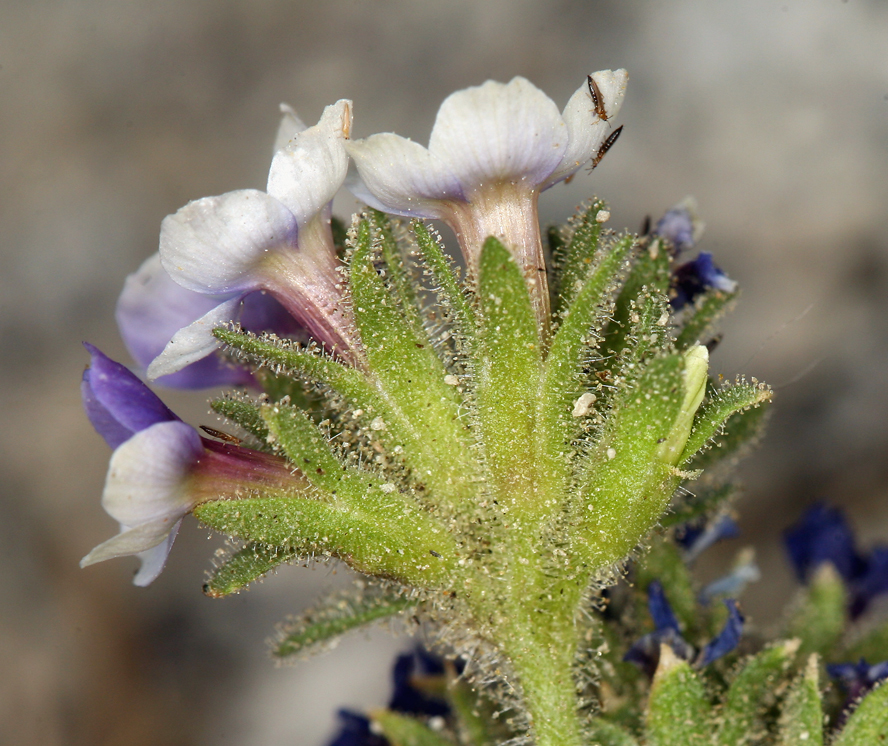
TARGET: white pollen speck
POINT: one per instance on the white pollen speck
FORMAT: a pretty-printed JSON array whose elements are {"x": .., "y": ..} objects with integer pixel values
[
  {"x": 603, "y": 216},
  {"x": 388, "y": 488},
  {"x": 611, "y": 454},
  {"x": 451, "y": 380},
  {"x": 583, "y": 405},
  {"x": 377, "y": 424},
  {"x": 664, "y": 319}
]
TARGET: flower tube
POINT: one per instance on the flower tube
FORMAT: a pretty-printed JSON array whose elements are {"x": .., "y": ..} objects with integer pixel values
[{"x": 492, "y": 150}]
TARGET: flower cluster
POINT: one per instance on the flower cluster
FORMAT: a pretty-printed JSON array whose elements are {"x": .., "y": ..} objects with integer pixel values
[{"x": 490, "y": 449}]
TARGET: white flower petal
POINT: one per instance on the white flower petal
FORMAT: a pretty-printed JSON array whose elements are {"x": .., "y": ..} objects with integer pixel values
[
  {"x": 147, "y": 478},
  {"x": 290, "y": 126},
  {"x": 142, "y": 538},
  {"x": 154, "y": 559},
  {"x": 215, "y": 245},
  {"x": 193, "y": 342},
  {"x": 586, "y": 131},
  {"x": 306, "y": 174},
  {"x": 499, "y": 132},
  {"x": 404, "y": 177}
]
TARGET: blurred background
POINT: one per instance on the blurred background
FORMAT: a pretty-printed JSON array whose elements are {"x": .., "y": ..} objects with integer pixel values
[{"x": 115, "y": 113}]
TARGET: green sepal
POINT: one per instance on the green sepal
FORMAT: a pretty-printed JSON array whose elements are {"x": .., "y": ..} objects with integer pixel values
[
  {"x": 305, "y": 527},
  {"x": 244, "y": 413},
  {"x": 446, "y": 284},
  {"x": 603, "y": 733},
  {"x": 397, "y": 276},
  {"x": 243, "y": 567},
  {"x": 819, "y": 619},
  {"x": 570, "y": 346},
  {"x": 625, "y": 484},
  {"x": 288, "y": 358},
  {"x": 508, "y": 371},
  {"x": 801, "y": 719},
  {"x": 649, "y": 276},
  {"x": 873, "y": 646},
  {"x": 699, "y": 320},
  {"x": 751, "y": 692},
  {"x": 677, "y": 710},
  {"x": 574, "y": 259},
  {"x": 402, "y": 730},
  {"x": 476, "y": 718},
  {"x": 340, "y": 235},
  {"x": 868, "y": 724},
  {"x": 722, "y": 405},
  {"x": 411, "y": 379},
  {"x": 338, "y": 614},
  {"x": 740, "y": 430}
]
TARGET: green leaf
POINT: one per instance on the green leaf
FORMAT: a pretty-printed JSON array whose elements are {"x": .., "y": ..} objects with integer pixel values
[
  {"x": 751, "y": 691},
  {"x": 699, "y": 320},
  {"x": 801, "y": 721},
  {"x": 244, "y": 413},
  {"x": 477, "y": 720},
  {"x": 574, "y": 260},
  {"x": 721, "y": 405},
  {"x": 868, "y": 725},
  {"x": 365, "y": 543},
  {"x": 819, "y": 620},
  {"x": 402, "y": 730},
  {"x": 677, "y": 708},
  {"x": 570, "y": 346},
  {"x": 508, "y": 373},
  {"x": 740, "y": 430},
  {"x": 609, "y": 734},
  {"x": 446, "y": 284},
  {"x": 417, "y": 389},
  {"x": 625, "y": 485},
  {"x": 872, "y": 646},
  {"x": 339, "y": 614},
  {"x": 244, "y": 566}
]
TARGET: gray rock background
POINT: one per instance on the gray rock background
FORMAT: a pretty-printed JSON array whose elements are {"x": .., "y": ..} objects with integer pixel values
[{"x": 115, "y": 113}]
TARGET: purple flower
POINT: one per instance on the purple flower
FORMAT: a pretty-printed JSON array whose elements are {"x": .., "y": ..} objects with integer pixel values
[
  {"x": 698, "y": 536},
  {"x": 356, "y": 730},
  {"x": 822, "y": 535},
  {"x": 279, "y": 241},
  {"x": 857, "y": 678},
  {"x": 680, "y": 226},
  {"x": 645, "y": 652},
  {"x": 153, "y": 307},
  {"x": 161, "y": 468},
  {"x": 692, "y": 279},
  {"x": 409, "y": 698}
]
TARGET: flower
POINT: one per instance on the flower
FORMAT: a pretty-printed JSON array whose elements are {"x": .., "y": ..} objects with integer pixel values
[
  {"x": 278, "y": 241},
  {"x": 161, "y": 468},
  {"x": 153, "y": 307},
  {"x": 692, "y": 279},
  {"x": 857, "y": 678},
  {"x": 645, "y": 652},
  {"x": 823, "y": 535},
  {"x": 680, "y": 225},
  {"x": 698, "y": 536},
  {"x": 492, "y": 150}
]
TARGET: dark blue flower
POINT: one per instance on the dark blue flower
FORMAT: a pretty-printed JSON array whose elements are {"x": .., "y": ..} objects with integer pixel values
[
  {"x": 823, "y": 535},
  {"x": 355, "y": 731},
  {"x": 857, "y": 678},
  {"x": 698, "y": 536},
  {"x": 645, "y": 652},
  {"x": 692, "y": 279},
  {"x": 409, "y": 696}
]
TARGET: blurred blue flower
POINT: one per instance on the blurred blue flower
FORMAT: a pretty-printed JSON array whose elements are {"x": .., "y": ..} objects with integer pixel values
[
  {"x": 698, "y": 536},
  {"x": 645, "y": 652},
  {"x": 822, "y": 535},
  {"x": 857, "y": 678},
  {"x": 692, "y": 279}
]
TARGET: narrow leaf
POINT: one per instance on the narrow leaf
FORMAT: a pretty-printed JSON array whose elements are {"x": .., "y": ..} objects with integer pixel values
[
  {"x": 751, "y": 691},
  {"x": 868, "y": 725},
  {"x": 820, "y": 619},
  {"x": 677, "y": 708},
  {"x": 339, "y": 614},
  {"x": 721, "y": 405},
  {"x": 243, "y": 413},
  {"x": 740, "y": 431},
  {"x": 698, "y": 321},
  {"x": 609, "y": 734},
  {"x": 574, "y": 259},
  {"x": 244, "y": 566},
  {"x": 801, "y": 721},
  {"x": 402, "y": 730}
]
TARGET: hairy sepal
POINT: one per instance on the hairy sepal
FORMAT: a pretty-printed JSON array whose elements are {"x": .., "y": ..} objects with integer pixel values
[
  {"x": 868, "y": 724},
  {"x": 698, "y": 321},
  {"x": 677, "y": 711},
  {"x": 572, "y": 260},
  {"x": 245, "y": 566},
  {"x": 406, "y": 731},
  {"x": 801, "y": 719}
]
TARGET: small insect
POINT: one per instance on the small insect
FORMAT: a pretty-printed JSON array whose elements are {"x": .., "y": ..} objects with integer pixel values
[
  {"x": 597, "y": 99},
  {"x": 434, "y": 553},
  {"x": 219, "y": 435},
  {"x": 605, "y": 146}
]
